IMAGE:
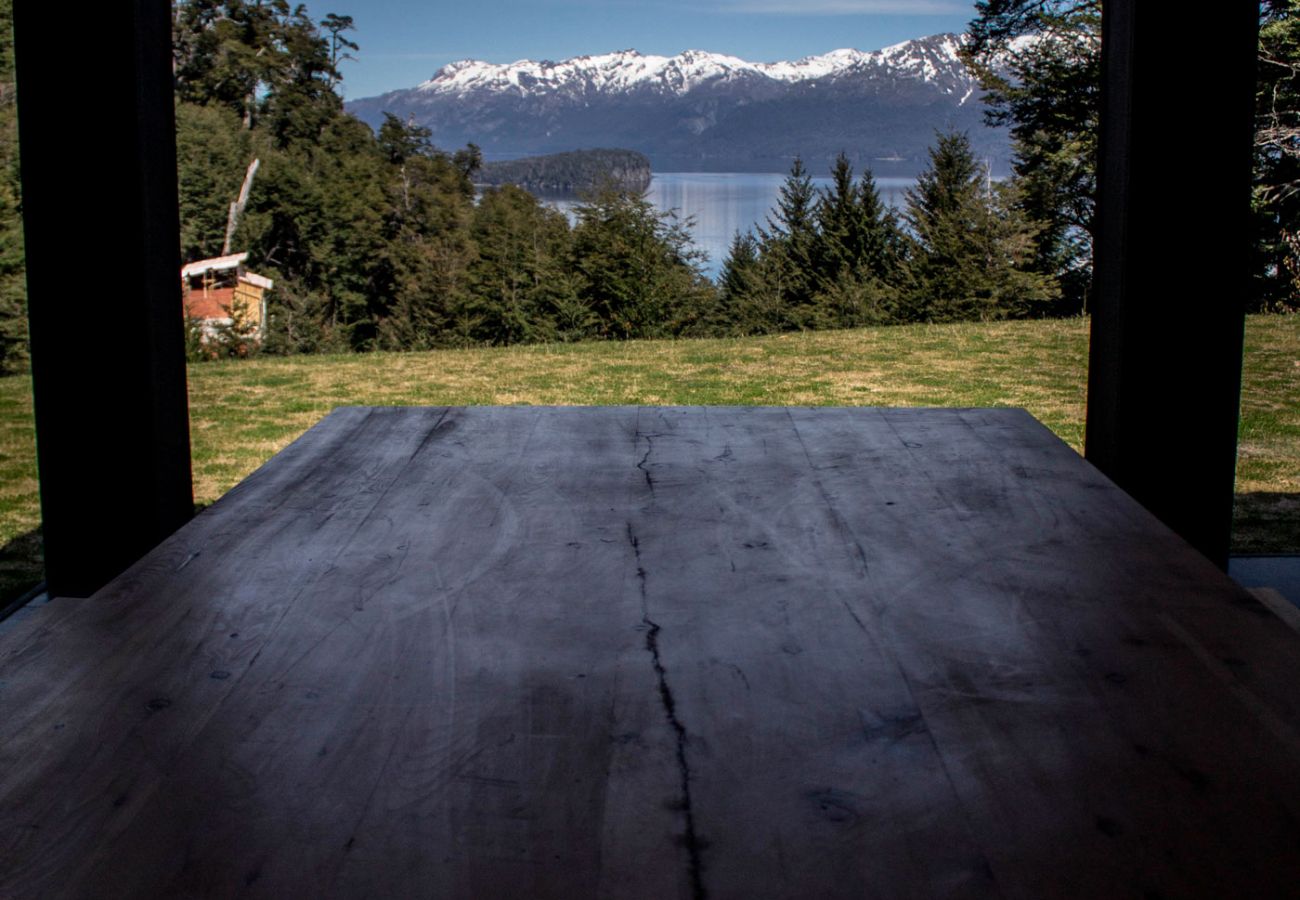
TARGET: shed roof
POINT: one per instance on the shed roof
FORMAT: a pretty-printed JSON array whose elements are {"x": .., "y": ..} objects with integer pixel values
[{"x": 216, "y": 264}]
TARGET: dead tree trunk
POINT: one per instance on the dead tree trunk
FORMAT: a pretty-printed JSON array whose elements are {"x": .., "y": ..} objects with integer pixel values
[{"x": 237, "y": 208}]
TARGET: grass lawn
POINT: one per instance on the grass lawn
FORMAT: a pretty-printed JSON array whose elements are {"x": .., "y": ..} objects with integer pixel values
[{"x": 243, "y": 411}]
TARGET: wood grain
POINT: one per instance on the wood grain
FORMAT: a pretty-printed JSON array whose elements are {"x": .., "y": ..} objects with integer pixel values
[{"x": 657, "y": 652}]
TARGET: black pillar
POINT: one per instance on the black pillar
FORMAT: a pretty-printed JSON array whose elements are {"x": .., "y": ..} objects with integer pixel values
[
  {"x": 1172, "y": 259},
  {"x": 98, "y": 143}
]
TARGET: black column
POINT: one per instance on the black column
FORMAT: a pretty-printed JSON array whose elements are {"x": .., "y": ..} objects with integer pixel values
[
  {"x": 1172, "y": 259},
  {"x": 98, "y": 143}
]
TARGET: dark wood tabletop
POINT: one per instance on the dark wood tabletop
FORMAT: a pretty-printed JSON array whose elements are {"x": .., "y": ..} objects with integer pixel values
[{"x": 657, "y": 652}]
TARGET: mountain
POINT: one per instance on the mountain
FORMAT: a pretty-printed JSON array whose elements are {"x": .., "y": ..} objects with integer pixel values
[{"x": 700, "y": 111}]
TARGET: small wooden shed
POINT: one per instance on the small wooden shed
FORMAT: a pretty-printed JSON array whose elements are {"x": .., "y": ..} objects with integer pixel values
[{"x": 221, "y": 291}]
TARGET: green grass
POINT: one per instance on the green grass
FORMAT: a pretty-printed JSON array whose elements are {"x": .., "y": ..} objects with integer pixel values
[{"x": 243, "y": 411}]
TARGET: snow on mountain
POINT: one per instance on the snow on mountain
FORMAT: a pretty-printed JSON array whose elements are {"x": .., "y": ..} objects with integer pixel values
[
  {"x": 623, "y": 71},
  {"x": 814, "y": 66},
  {"x": 932, "y": 59},
  {"x": 702, "y": 111},
  {"x": 928, "y": 59}
]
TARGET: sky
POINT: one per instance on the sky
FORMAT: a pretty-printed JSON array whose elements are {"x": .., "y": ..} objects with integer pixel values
[{"x": 403, "y": 42}]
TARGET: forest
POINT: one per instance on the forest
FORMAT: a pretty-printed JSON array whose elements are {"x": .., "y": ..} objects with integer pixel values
[{"x": 381, "y": 240}]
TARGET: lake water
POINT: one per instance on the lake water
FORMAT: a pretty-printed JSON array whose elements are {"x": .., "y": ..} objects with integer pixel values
[{"x": 722, "y": 203}]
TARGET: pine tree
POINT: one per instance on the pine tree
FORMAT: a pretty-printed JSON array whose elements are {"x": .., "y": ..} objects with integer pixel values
[
  {"x": 857, "y": 251},
  {"x": 840, "y": 230},
  {"x": 971, "y": 247},
  {"x": 748, "y": 299},
  {"x": 739, "y": 270},
  {"x": 789, "y": 247},
  {"x": 880, "y": 240}
]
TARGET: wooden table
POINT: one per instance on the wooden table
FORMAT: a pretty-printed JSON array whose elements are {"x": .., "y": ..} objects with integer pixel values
[{"x": 657, "y": 652}]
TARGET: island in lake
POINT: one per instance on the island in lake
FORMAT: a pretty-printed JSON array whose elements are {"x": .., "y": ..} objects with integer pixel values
[{"x": 572, "y": 172}]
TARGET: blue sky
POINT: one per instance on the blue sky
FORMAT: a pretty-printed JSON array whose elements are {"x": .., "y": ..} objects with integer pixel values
[{"x": 403, "y": 42}]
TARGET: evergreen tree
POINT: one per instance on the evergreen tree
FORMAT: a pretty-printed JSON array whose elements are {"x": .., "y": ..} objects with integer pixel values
[
  {"x": 429, "y": 254},
  {"x": 841, "y": 232},
  {"x": 850, "y": 301},
  {"x": 639, "y": 273},
  {"x": 301, "y": 103},
  {"x": 226, "y": 53},
  {"x": 857, "y": 251},
  {"x": 316, "y": 223},
  {"x": 739, "y": 271},
  {"x": 348, "y": 253},
  {"x": 339, "y": 45},
  {"x": 789, "y": 246},
  {"x": 400, "y": 141},
  {"x": 747, "y": 301},
  {"x": 971, "y": 246},
  {"x": 469, "y": 160},
  {"x": 881, "y": 240},
  {"x": 1048, "y": 91},
  {"x": 262, "y": 59},
  {"x": 518, "y": 289}
]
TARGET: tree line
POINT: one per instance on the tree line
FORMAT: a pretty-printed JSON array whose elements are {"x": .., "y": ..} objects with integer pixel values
[{"x": 841, "y": 258}]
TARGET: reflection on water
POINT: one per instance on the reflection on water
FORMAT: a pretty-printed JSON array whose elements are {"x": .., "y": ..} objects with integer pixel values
[{"x": 722, "y": 203}]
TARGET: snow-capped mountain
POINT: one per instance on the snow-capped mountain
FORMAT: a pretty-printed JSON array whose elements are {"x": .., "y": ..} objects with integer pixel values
[
  {"x": 624, "y": 71},
  {"x": 932, "y": 60},
  {"x": 701, "y": 110}
]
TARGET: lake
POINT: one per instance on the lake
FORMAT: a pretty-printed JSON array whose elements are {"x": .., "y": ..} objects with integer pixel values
[{"x": 722, "y": 203}]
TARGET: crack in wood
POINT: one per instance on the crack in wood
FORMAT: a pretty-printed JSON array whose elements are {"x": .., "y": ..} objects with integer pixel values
[
  {"x": 693, "y": 844},
  {"x": 645, "y": 469},
  {"x": 856, "y": 618}
]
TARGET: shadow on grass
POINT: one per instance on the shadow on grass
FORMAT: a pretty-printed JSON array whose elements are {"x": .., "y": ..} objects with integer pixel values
[
  {"x": 22, "y": 566},
  {"x": 1265, "y": 522}
]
